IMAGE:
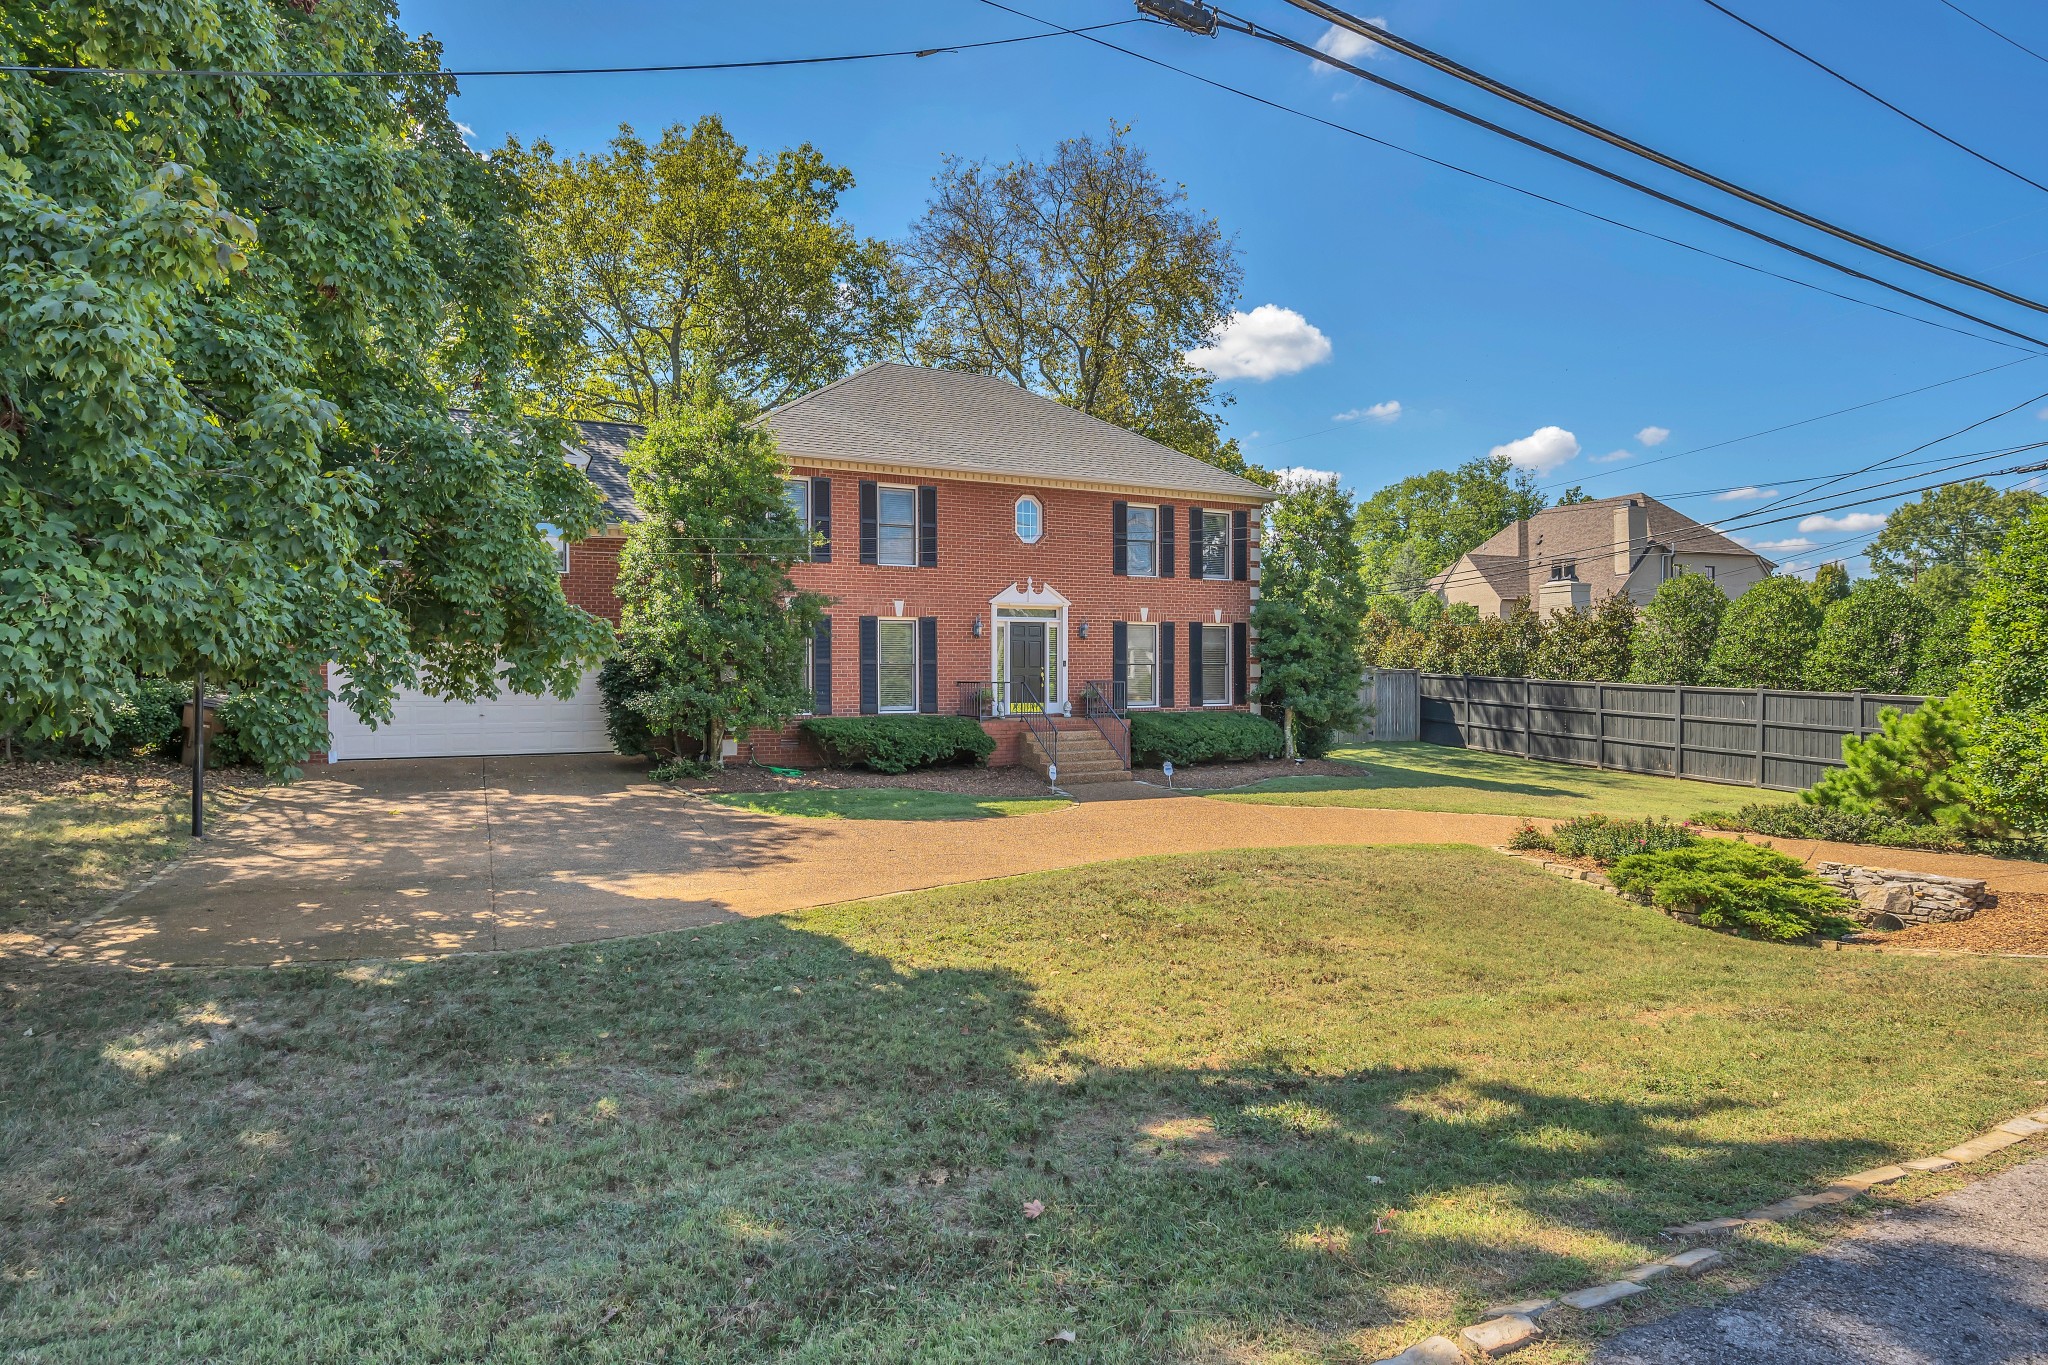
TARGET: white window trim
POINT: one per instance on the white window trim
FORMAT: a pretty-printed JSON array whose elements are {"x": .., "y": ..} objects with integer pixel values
[
  {"x": 803, "y": 517},
  {"x": 911, "y": 709},
  {"x": 1040, "y": 595},
  {"x": 880, "y": 489},
  {"x": 811, "y": 673},
  {"x": 1036, "y": 502},
  {"x": 560, "y": 544},
  {"x": 1224, "y": 574},
  {"x": 1152, "y": 572},
  {"x": 1225, "y": 632},
  {"x": 1154, "y": 704}
]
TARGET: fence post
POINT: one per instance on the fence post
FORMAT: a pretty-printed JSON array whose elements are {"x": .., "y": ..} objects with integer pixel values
[
  {"x": 1677, "y": 730},
  {"x": 1762, "y": 703},
  {"x": 1600, "y": 724},
  {"x": 1858, "y": 696}
]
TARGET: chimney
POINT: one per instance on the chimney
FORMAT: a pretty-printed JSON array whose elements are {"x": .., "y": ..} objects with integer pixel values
[{"x": 1631, "y": 529}]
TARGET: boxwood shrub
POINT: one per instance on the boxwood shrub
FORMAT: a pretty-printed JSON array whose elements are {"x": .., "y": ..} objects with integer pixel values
[
  {"x": 1202, "y": 737},
  {"x": 896, "y": 744},
  {"x": 1743, "y": 887}
]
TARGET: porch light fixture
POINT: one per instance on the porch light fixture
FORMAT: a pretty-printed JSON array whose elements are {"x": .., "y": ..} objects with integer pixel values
[
  {"x": 977, "y": 625},
  {"x": 1084, "y": 630}
]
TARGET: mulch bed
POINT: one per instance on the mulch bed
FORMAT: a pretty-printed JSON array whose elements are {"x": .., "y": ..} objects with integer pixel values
[
  {"x": 136, "y": 777},
  {"x": 2018, "y": 923},
  {"x": 967, "y": 781}
]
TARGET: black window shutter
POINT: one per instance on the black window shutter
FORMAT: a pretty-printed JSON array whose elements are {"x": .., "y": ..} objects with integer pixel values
[
  {"x": 1119, "y": 662},
  {"x": 821, "y": 520},
  {"x": 1164, "y": 558},
  {"x": 1240, "y": 545},
  {"x": 1194, "y": 542},
  {"x": 1195, "y": 697},
  {"x": 928, "y": 526},
  {"x": 870, "y": 516},
  {"x": 1120, "y": 539},
  {"x": 821, "y": 668},
  {"x": 1165, "y": 664},
  {"x": 928, "y": 664},
  {"x": 870, "y": 682},
  {"x": 1240, "y": 663}
]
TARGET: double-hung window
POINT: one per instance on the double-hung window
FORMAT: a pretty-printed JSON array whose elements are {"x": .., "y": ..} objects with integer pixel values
[
  {"x": 553, "y": 536},
  {"x": 896, "y": 527},
  {"x": 895, "y": 663},
  {"x": 797, "y": 493},
  {"x": 1564, "y": 571},
  {"x": 1215, "y": 544},
  {"x": 1141, "y": 540},
  {"x": 1215, "y": 665},
  {"x": 1141, "y": 664}
]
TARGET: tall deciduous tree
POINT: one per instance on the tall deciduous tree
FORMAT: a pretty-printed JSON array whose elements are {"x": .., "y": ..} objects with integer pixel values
[
  {"x": 1766, "y": 636},
  {"x": 230, "y": 314},
  {"x": 1869, "y": 640},
  {"x": 1675, "y": 633},
  {"x": 690, "y": 272},
  {"x": 1419, "y": 526},
  {"x": 712, "y": 632},
  {"x": 1958, "y": 525},
  {"x": 1310, "y": 613},
  {"x": 2006, "y": 687},
  {"x": 1087, "y": 277}
]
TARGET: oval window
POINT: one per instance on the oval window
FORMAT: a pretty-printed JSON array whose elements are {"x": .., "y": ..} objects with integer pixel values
[{"x": 1030, "y": 520}]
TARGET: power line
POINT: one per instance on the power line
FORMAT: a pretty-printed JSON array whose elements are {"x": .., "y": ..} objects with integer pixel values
[
  {"x": 1500, "y": 89},
  {"x": 1514, "y": 188},
  {"x": 756, "y": 65},
  {"x": 1996, "y": 33},
  {"x": 1872, "y": 94}
]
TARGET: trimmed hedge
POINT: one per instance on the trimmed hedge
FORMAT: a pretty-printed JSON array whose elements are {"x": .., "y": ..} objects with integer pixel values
[
  {"x": 1746, "y": 888},
  {"x": 896, "y": 744},
  {"x": 1606, "y": 841},
  {"x": 1202, "y": 737},
  {"x": 1839, "y": 826}
]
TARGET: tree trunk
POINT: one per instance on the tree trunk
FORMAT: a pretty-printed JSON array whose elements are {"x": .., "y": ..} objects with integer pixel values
[
  {"x": 714, "y": 744},
  {"x": 1290, "y": 734}
]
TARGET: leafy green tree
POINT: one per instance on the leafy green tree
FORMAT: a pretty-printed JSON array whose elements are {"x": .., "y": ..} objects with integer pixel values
[
  {"x": 1766, "y": 636},
  {"x": 711, "y": 632},
  {"x": 1419, "y": 526},
  {"x": 1957, "y": 526},
  {"x": 1088, "y": 278},
  {"x": 2006, "y": 688},
  {"x": 1310, "y": 614},
  {"x": 1675, "y": 633},
  {"x": 1565, "y": 645},
  {"x": 1869, "y": 641},
  {"x": 689, "y": 272},
  {"x": 233, "y": 317},
  {"x": 1945, "y": 590},
  {"x": 1911, "y": 770},
  {"x": 1830, "y": 584},
  {"x": 1610, "y": 644}
]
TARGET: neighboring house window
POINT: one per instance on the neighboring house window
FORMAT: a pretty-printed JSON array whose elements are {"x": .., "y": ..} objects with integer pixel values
[
  {"x": 1030, "y": 520},
  {"x": 1215, "y": 665},
  {"x": 553, "y": 536},
  {"x": 1565, "y": 572},
  {"x": 896, "y": 527},
  {"x": 797, "y": 493},
  {"x": 1672, "y": 568},
  {"x": 1215, "y": 545},
  {"x": 896, "y": 662},
  {"x": 1713, "y": 570},
  {"x": 1141, "y": 538},
  {"x": 1141, "y": 665}
]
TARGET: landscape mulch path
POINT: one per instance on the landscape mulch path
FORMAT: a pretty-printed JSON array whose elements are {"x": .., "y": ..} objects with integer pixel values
[
  {"x": 967, "y": 781},
  {"x": 2018, "y": 923}
]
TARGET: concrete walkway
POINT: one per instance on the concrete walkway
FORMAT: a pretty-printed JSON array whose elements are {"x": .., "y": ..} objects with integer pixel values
[
  {"x": 1960, "y": 1280},
  {"x": 400, "y": 858}
]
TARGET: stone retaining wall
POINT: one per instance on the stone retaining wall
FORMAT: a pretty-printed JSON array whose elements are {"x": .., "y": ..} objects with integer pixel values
[{"x": 1887, "y": 898}]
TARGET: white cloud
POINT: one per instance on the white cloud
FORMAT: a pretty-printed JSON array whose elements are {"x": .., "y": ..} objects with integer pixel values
[
  {"x": 1296, "y": 475},
  {"x": 468, "y": 133},
  {"x": 1265, "y": 343},
  {"x": 1347, "y": 46},
  {"x": 1654, "y": 436},
  {"x": 1611, "y": 456},
  {"x": 1541, "y": 451},
  {"x": 1749, "y": 494},
  {"x": 1789, "y": 546},
  {"x": 1848, "y": 525},
  {"x": 1389, "y": 411}
]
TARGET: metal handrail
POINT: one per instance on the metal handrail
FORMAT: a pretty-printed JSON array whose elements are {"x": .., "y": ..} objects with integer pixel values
[
  {"x": 1100, "y": 703},
  {"x": 978, "y": 700}
]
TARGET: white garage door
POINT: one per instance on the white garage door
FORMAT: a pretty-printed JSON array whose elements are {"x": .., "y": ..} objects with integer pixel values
[{"x": 513, "y": 723}]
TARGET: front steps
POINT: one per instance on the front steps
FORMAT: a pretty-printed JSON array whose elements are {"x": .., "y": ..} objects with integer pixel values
[{"x": 1086, "y": 758}]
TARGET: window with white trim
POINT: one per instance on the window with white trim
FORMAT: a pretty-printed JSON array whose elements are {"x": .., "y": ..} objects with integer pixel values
[
  {"x": 1564, "y": 571},
  {"x": 1215, "y": 544},
  {"x": 797, "y": 493},
  {"x": 1141, "y": 542},
  {"x": 810, "y": 667},
  {"x": 1030, "y": 520},
  {"x": 1141, "y": 665},
  {"x": 896, "y": 527},
  {"x": 896, "y": 665},
  {"x": 1215, "y": 665},
  {"x": 553, "y": 536}
]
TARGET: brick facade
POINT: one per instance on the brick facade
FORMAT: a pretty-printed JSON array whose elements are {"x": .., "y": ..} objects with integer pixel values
[{"x": 979, "y": 557}]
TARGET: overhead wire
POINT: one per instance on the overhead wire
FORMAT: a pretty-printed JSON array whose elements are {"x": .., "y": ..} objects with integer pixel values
[{"x": 1999, "y": 34}]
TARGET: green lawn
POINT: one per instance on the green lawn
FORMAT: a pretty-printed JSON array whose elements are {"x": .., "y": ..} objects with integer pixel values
[
  {"x": 1470, "y": 781},
  {"x": 1277, "y": 1106},
  {"x": 888, "y": 803}
]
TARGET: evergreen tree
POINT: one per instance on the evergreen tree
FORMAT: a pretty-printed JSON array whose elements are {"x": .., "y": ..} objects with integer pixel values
[
  {"x": 1911, "y": 769},
  {"x": 712, "y": 632},
  {"x": 1675, "y": 634},
  {"x": 1610, "y": 640},
  {"x": 1869, "y": 640},
  {"x": 1766, "y": 636},
  {"x": 1310, "y": 614},
  {"x": 1830, "y": 585},
  {"x": 1564, "y": 646},
  {"x": 2006, "y": 687}
]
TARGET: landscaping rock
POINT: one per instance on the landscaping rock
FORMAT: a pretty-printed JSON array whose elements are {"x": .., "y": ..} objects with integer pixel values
[
  {"x": 1707, "y": 1228},
  {"x": 1600, "y": 1295},
  {"x": 1697, "y": 1261},
  {"x": 1887, "y": 898},
  {"x": 1643, "y": 1274},
  {"x": 1435, "y": 1351},
  {"x": 1527, "y": 1308},
  {"x": 2023, "y": 1127},
  {"x": 1497, "y": 1337},
  {"x": 1877, "y": 1175},
  {"x": 1929, "y": 1163},
  {"x": 1979, "y": 1147}
]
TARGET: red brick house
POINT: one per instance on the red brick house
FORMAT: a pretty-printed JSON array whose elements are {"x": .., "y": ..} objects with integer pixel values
[{"x": 987, "y": 552}]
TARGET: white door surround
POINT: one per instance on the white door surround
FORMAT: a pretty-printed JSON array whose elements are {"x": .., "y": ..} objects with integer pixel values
[{"x": 1039, "y": 602}]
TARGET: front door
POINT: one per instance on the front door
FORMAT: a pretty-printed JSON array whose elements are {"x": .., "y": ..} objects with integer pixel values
[{"x": 1027, "y": 671}]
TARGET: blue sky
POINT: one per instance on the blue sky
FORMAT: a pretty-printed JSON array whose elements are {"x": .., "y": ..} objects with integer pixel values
[{"x": 1490, "y": 319}]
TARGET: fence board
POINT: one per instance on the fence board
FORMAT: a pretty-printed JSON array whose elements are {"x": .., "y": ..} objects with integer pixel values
[{"x": 1754, "y": 737}]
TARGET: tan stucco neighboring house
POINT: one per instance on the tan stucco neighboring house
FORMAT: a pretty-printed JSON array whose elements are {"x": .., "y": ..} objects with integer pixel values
[{"x": 1574, "y": 556}]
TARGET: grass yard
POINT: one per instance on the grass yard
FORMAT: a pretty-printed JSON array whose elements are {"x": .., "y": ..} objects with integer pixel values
[
  {"x": 1471, "y": 781},
  {"x": 1276, "y": 1106},
  {"x": 888, "y": 803}
]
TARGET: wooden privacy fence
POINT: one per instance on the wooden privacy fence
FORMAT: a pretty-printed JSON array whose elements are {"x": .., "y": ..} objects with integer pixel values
[
  {"x": 1754, "y": 737},
  {"x": 1392, "y": 701}
]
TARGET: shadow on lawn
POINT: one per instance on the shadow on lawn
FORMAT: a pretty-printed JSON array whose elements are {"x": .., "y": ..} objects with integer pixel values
[{"x": 748, "y": 1138}]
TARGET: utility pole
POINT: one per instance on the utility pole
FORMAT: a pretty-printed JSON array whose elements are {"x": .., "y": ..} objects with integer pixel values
[{"x": 199, "y": 751}]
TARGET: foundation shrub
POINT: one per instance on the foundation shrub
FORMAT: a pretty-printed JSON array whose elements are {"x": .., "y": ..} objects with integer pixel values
[
  {"x": 1745, "y": 888},
  {"x": 1182, "y": 738},
  {"x": 1606, "y": 840},
  {"x": 896, "y": 744}
]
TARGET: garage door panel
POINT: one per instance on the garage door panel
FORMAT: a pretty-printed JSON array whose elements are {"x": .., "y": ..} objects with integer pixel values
[{"x": 510, "y": 723}]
